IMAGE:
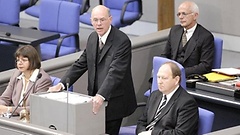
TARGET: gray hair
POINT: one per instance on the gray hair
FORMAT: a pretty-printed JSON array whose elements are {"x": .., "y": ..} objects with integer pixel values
[{"x": 194, "y": 7}]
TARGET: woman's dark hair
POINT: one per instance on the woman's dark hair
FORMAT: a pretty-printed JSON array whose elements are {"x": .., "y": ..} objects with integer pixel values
[{"x": 31, "y": 53}]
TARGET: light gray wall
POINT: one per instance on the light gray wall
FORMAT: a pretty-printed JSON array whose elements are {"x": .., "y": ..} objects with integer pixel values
[{"x": 222, "y": 18}]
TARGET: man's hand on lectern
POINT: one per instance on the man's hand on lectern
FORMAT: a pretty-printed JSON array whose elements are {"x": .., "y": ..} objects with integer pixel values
[
  {"x": 97, "y": 103},
  {"x": 55, "y": 88}
]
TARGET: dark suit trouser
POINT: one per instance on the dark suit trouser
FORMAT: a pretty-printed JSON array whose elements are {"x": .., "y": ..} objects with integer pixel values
[{"x": 113, "y": 127}]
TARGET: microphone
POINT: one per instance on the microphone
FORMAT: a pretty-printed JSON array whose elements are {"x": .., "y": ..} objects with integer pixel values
[
  {"x": 25, "y": 95},
  {"x": 67, "y": 83}
]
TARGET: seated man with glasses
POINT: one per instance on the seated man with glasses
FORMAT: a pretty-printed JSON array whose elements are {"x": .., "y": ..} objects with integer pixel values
[{"x": 189, "y": 43}]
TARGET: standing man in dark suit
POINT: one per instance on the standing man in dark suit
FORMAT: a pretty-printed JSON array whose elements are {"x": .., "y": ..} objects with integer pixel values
[
  {"x": 195, "y": 51},
  {"x": 169, "y": 110},
  {"x": 107, "y": 58}
]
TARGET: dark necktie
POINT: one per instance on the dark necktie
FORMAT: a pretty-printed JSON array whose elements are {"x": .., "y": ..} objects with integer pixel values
[
  {"x": 100, "y": 44},
  {"x": 158, "y": 112},
  {"x": 184, "y": 38}
]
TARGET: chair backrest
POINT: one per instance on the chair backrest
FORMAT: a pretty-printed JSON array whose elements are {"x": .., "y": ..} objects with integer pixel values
[
  {"x": 56, "y": 80},
  {"x": 123, "y": 12},
  {"x": 218, "y": 43},
  {"x": 53, "y": 17},
  {"x": 9, "y": 12},
  {"x": 205, "y": 123},
  {"x": 157, "y": 62},
  {"x": 84, "y": 5},
  {"x": 34, "y": 9}
]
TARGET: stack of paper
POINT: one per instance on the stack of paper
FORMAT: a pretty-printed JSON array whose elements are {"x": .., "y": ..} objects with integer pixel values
[{"x": 228, "y": 71}]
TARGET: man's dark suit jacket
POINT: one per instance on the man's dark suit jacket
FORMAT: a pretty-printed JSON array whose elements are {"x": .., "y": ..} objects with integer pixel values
[
  {"x": 199, "y": 55},
  {"x": 179, "y": 116},
  {"x": 114, "y": 81}
]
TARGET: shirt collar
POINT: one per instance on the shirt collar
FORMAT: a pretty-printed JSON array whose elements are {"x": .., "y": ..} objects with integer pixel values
[
  {"x": 191, "y": 30},
  {"x": 33, "y": 77},
  {"x": 171, "y": 94},
  {"x": 104, "y": 37}
]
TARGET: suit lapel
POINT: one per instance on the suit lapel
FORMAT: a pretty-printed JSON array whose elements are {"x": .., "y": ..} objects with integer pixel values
[
  {"x": 170, "y": 103},
  {"x": 94, "y": 48},
  {"x": 108, "y": 44},
  {"x": 19, "y": 84},
  {"x": 156, "y": 102},
  {"x": 192, "y": 43},
  {"x": 177, "y": 42},
  {"x": 29, "y": 89},
  {"x": 105, "y": 50}
]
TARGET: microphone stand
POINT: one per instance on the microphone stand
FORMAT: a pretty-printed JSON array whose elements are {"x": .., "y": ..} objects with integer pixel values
[{"x": 67, "y": 83}]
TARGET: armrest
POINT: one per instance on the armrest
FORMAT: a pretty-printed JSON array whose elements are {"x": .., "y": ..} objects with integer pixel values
[
  {"x": 32, "y": 2},
  {"x": 125, "y": 7},
  {"x": 60, "y": 40},
  {"x": 85, "y": 6}
]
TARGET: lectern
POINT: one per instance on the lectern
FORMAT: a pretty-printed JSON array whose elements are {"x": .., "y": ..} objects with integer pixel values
[{"x": 67, "y": 111}]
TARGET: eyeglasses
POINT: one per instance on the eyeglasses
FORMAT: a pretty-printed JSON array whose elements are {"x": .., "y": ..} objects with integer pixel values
[
  {"x": 96, "y": 20},
  {"x": 21, "y": 60},
  {"x": 183, "y": 14}
]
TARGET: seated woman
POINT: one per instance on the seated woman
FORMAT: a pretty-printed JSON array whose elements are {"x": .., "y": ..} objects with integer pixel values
[{"x": 28, "y": 79}]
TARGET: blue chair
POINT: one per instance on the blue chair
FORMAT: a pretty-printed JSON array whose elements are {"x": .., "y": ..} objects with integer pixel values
[
  {"x": 205, "y": 123},
  {"x": 9, "y": 15},
  {"x": 218, "y": 43},
  {"x": 56, "y": 80},
  {"x": 54, "y": 18},
  {"x": 123, "y": 12},
  {"x": 9, "y": 10},
  {"x": 157, "y": 62},
  {"x": 34, "y": 10}
]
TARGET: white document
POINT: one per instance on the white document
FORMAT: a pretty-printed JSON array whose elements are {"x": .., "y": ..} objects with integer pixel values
[
  {"x": 228, "y": 71},
  {"x": 73, "y": 98}
]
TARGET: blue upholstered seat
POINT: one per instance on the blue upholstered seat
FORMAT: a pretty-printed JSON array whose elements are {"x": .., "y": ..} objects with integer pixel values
[
  {"x": 9, "y": 12},
  {"x": 54, "y": 18},
  {"x": 34, "y": 10},
  {"x": 124, "y": 12},
  {"x": 218, "y": 43},
  {"x": 56, "y": 80},
  {"x": 157, "y": 62},
  {"x": 9, "y": 15}
]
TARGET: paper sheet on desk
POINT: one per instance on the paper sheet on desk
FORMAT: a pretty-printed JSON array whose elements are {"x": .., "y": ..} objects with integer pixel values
[
  {"x": 228, "y": 71},
  {"x": 62, "y": 96}
]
